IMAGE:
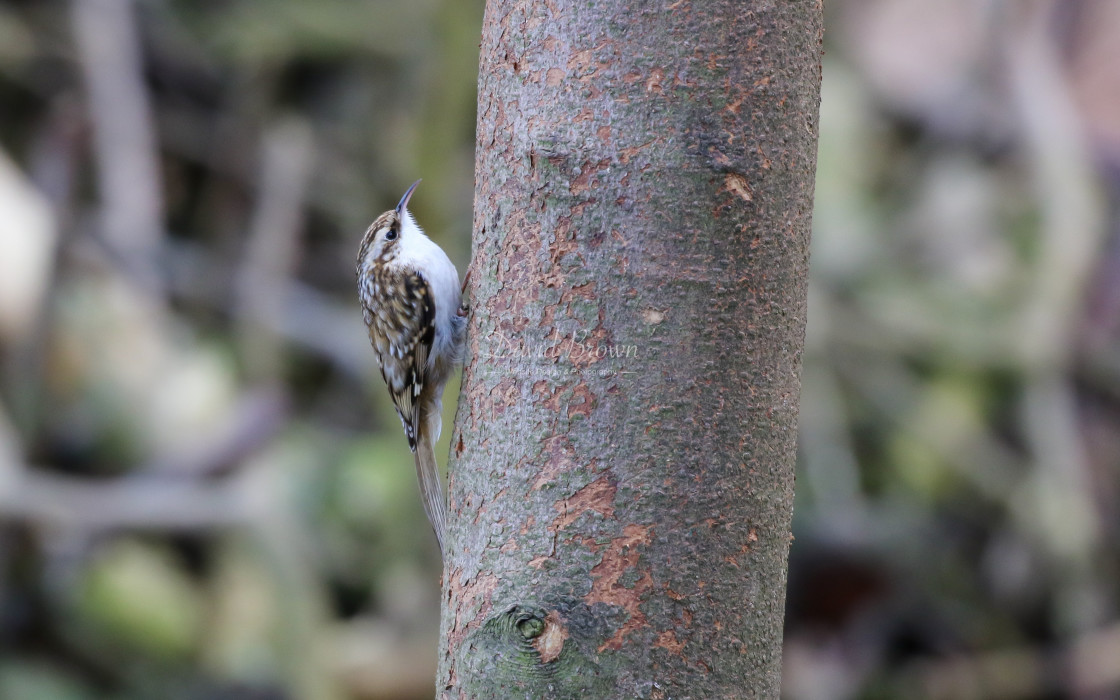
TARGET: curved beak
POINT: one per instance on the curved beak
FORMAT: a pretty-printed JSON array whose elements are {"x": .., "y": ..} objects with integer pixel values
[{"x": 406, "y": 197}]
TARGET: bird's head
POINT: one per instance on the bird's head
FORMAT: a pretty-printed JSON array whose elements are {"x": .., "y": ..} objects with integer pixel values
[{"x": 384, "y": 237}]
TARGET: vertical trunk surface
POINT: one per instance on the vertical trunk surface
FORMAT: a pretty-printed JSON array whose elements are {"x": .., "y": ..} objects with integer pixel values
[{"x": 622, "y": 463}]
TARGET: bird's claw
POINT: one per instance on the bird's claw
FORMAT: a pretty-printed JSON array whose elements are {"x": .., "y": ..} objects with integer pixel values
[{"x": 464, "y": 307}]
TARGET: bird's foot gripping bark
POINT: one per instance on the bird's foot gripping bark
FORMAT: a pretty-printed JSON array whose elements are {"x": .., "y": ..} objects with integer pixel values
[{"x": 464, "y": 305}]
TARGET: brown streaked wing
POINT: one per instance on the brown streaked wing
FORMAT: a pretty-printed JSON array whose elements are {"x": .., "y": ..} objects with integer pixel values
[{"x": 401, "y": 331}]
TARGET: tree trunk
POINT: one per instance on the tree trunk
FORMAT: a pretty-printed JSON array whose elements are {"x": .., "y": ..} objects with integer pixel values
[{"x": 622, "y": 462}]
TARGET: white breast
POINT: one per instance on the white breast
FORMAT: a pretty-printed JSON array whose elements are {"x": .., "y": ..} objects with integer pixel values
[{"x": 419, "y": 252}]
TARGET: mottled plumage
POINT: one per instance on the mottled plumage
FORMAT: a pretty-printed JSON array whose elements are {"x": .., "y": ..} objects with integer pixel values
[
  {"x": 400, "y": 315},
  {"x": 411, "y": 301}
]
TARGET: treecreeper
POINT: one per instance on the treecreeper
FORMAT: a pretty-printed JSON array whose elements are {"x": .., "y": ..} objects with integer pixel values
[{"x": 413, "y": 307}]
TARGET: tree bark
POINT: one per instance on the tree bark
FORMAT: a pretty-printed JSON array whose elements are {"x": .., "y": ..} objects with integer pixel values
[{"x": 622, "y": 462}]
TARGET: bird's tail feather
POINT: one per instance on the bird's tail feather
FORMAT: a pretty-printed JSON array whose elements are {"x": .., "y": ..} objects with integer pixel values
[{"x": 431, "y": 486}]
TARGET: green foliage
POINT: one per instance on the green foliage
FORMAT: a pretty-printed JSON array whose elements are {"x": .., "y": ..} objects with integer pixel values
[{"x": 134, "y": 594}]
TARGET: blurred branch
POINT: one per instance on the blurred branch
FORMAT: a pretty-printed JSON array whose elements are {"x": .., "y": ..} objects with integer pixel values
[
  {"x": 331, "y": 329},
  {"x": 11, "y": 466},
  {"x": 125, "y": 144},
  {"x": 133, "y": 502},
  {"x": 270, "y": 257},
  {"x": 53, "y": 168},
  {"x": 29, "y": 233},
  {"x": 829, "y": 461},
  {"x": 312, "y": 319},
  {"x": 1070, "y": 202},
  {"x": 150, "y": 499},
  {"x": 1061, "y": 499},
  {"x": 1085, "y": 668},
  {"x": 404, "y": 668},
  {"x": 287, "y": 550},
  {"x": 257, "y": 418}
]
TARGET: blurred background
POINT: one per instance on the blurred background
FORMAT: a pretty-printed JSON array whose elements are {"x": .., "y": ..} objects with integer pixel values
[{"x": 203, "y": 492}]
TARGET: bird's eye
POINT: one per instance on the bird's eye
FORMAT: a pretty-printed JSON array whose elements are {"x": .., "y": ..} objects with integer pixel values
[{"x": 391, "y": 234}]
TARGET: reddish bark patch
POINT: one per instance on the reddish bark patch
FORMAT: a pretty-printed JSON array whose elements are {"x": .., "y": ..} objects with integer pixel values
[
  {"x": 580, "y": 62},
  {"x": 560, "y": 459},
  {"x": 546, "y": 397},
  {"x": 625, "y": 154},
  {"x": 585, "y": 115},
  {"x": 563, "y": 244},
  {"x": 505, "y": 393},
  {"x": 583, "y": 291},
  {"x": 525, "y": 526},
  {"x": 472, "y": 604},
  {"x": 582, "y": 183},
  {"x": 668, "y": 640},
  {"x": 622, "y": 554},
  {"x": 597, "y": 496},
  {"x": 581, "y": 401},
  {"x": 593, "y": 348},
  {"x": 738, "y": 185},
  {"x": 517, "y": 269}
]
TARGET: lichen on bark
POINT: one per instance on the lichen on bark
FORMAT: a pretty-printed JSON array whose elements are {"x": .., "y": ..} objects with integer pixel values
[{"x": 621, "y": 482}]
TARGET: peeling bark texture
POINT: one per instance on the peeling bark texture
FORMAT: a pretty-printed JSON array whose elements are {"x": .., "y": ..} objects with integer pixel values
[{"x": 622, "y": 462}]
